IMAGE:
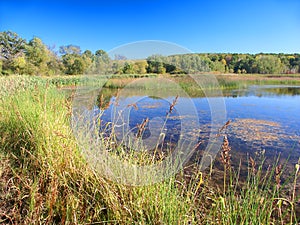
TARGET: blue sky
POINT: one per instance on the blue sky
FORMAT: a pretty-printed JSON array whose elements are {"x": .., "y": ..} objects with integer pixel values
[{"x": 201, "y": 26}]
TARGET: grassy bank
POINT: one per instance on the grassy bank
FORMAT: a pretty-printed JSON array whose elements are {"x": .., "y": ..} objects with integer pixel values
[
  {"x": 224, "y": 81},
  {"x": 44, "y": 179}
]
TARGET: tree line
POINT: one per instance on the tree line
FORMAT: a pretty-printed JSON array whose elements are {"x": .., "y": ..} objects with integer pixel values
[{"x": 33, "y": 57}]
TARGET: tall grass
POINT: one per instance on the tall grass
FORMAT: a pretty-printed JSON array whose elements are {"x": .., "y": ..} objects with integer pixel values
[
  {"x": 12, "y": 84},
  {"x": 44, "y": 179},
  {"x": 258, "y": 200}
]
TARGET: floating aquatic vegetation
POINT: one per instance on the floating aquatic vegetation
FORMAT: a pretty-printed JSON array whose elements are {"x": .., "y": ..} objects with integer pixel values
[{"x": 261, "y": 132}]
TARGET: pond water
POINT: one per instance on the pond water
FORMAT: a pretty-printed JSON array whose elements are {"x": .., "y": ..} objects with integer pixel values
[
  {"x": 265, "y": 118},
  {"x": 262, "y": 118}
]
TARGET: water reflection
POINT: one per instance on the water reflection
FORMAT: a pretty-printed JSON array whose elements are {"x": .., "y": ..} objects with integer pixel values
[
  {"x": 246, "y": 107},
  {"x": 264, "y": 91},
  {"x": 278, "y": 91},
  {"x": 264, "y": 118}
]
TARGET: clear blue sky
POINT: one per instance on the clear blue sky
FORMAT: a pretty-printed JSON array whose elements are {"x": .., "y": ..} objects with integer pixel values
[{"x": 203, "y": 26}]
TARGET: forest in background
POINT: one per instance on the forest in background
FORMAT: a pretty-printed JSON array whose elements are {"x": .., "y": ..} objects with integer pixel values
[{"x": 33, "y": 57}]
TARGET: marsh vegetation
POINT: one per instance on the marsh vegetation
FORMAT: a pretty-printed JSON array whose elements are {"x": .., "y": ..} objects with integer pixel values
[{"x": 45, "y": 179}]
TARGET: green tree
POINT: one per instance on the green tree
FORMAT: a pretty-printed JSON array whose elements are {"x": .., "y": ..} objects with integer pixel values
[
  {"x": 89, "y": 59},
  {"x": 55, "y": 65},
  {"x": 189, "y": 63},
  {"x": 74, "y": 64},
  {"x": 295, "y": 63},
  {"x": 37, "y": 56},
  {"x": 289, "y": 62},
  {"x": 156, "y": 67},
  {"x": 128, "y": 68},
  {"x": 88, "y": 54},
  {"x": 116, "y": 67},
  {"x": 218, "y": 66},
  {"x": 246, "y": 64},
  {"x": 156, "y": 64},
  {"x": 19, "y": 65},
  {"x": 100, "y": 53},
  {"x": 102, "y": 64},
  {"x": 140, "y": 67},
  {"x": 268, "y": 64},
  {"x": 12, "y": 46},
  {"x": 69, "y": 49},
  {"x": 231, "y": 61}
]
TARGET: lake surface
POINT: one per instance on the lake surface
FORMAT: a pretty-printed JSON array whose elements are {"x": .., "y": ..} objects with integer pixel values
[{"x": 263, "y": 118}]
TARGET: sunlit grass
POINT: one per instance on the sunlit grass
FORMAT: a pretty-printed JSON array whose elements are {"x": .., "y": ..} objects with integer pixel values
[{"x": 50, "y": 180}]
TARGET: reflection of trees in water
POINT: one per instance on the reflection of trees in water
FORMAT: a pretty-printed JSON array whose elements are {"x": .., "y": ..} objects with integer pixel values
[
  {"x": 284, "y": 91},
  {"x": 105, "y": 96}
]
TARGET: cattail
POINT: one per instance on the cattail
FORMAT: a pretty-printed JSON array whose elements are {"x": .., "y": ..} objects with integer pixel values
[
  {"x": 225, "y": 156},
  {"x": 173, "y": 104},
  {"x": 252, "y": 164},
  {"x": 277, "y": 175},
  {"x": 141, "y": 127},
  {"x": 225, "y": 126},
  {"x": 101, "y": 101},
  {"x": 68, "y": 103},
  {"x": 225, "y": 159},
  {"x": 102, "y": 104}
]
